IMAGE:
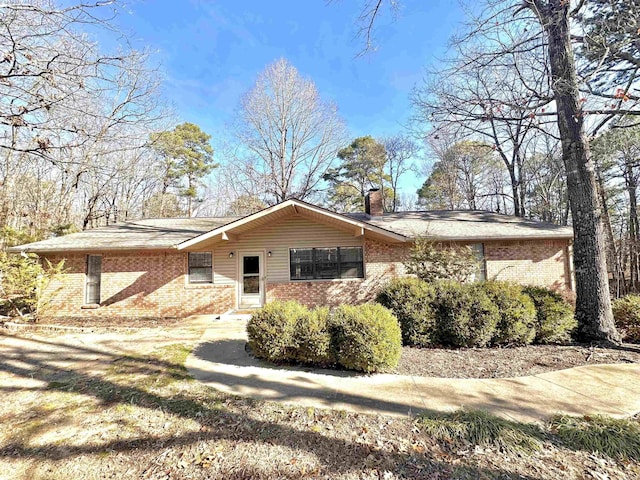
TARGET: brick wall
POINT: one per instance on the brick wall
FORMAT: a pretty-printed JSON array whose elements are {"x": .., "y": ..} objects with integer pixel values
[
  {"x": 138, "y": 284},
  {"x": 153, "y": 284},
  {"x": 528, "y": 262},
  {"x": 532, "y": 262},
  {"x": 381, "y": 262}
]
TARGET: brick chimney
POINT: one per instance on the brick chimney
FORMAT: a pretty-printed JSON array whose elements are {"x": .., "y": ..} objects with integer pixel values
[{"x": 373, "y": 202}]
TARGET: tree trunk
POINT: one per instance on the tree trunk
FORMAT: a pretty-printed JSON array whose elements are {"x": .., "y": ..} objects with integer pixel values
[
  {"x": 523, "y": 193},
  {"x": 593, "y": 303},
  {"x": 633, "y": 228},
  {"x": 514, "y": 189},
  {"x": 612, "y": 255}
]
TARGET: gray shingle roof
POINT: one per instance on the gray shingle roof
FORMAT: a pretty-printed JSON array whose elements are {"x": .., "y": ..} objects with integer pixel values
[
  {"x": 155, "y": 233},
  {"x": 166, "y": 233},
  {"x": 465, "y": 225}
]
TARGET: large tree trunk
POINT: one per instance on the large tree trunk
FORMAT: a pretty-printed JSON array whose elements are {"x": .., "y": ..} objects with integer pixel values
[{"x": 593, "y": 303}]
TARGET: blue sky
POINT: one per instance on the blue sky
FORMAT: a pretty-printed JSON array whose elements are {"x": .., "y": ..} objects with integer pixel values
[{"x": 211, "y": 52}]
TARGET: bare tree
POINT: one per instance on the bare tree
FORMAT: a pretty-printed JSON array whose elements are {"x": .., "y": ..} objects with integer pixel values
[
  {"x": 289, "y": 135},
  {"x": 491, "y": 105},
  {"x": 543, "y": 29},
  {"x": 546, "y": 194},
  {"x": 464, "y": 176},
  {"x": 400, "y": 149},
  {"x": 50, "y": 70},
  {"x": 75, "y": 119}
]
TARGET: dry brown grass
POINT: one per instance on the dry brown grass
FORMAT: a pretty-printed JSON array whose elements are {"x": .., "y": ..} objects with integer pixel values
[{"x": 112, "y": 413}]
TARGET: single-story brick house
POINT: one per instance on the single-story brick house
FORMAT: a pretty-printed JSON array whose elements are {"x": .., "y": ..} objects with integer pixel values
[{"x": 293, "y": 250}]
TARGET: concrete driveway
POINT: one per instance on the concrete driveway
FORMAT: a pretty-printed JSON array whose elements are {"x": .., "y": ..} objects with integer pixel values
[{"x": 221, "y": 362}]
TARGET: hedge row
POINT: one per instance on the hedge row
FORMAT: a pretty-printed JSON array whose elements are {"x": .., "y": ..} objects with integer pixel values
[
  {"x": 626, "y": 312},
  {"x": 477, "y": 314},
  {"x": 365, "y": 338}
]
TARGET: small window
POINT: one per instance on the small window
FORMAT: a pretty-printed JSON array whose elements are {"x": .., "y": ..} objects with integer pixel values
[
  {"x": 94, "y": 274},
  {"x": 200, "y": 267},
  {"x": 326, "y": 263},
  {"x": 481, "y": 273}
]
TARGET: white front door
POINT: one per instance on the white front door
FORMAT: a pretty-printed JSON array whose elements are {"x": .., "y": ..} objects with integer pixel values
[{"x": 251, "y": 284}]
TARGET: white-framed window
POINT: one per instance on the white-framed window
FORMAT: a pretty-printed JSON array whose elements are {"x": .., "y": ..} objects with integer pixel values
[
  {"x": 200, "y": 267},
  {"x": 326, "y": 263}
]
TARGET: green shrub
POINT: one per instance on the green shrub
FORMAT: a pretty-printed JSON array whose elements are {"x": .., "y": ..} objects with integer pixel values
[
  {"x": 271, "y": 330},
  {"x": 626, "y": 312},
  {"x": 555, "y": 320},
  {"x": 312, "y": 340},
  {"x": 466, "y": 316},
  {"x": 517, "y": 323},
  {"x": 432, "y": 261},
  {"x": 365, "y": 337},
  {"x": 25, "y": 282},
  {"x": 411, "y": 301}
]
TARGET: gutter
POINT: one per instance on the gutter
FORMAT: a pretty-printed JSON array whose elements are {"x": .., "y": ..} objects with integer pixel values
[
  {"x": 498, "y": 239},
  {"x": 84, "y": 249}
]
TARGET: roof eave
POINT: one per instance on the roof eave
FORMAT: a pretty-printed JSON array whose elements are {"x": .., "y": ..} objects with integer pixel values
[
  {"x": 501, "y": 238},
  {"x": 20, "y": 249}
]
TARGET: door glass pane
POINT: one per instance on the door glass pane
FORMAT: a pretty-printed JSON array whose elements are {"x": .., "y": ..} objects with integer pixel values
[
  {"x": 251, "y": 265},
  {"x": 251, "y": 285}
]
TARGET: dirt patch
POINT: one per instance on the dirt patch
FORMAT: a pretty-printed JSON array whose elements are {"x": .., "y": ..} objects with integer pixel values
[{"x": 509, "y": 362}]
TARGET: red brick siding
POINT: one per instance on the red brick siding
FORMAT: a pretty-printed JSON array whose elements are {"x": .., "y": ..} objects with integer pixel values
[
  {"x": 381, "y": 262},
  {"x": 137, "y": 284},
  {"x": 154, "y": 284},
  {"x": 533, "y": 262},
  {"x": 528, "y": 262}
]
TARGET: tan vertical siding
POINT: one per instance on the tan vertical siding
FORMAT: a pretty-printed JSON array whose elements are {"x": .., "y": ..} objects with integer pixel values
[{"x": 292, "y": 232}]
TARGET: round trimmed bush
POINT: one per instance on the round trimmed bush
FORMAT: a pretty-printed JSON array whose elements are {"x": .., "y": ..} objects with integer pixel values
[
  {"x": 410, "y": 300},
  {"x": 271, "y": 330},
  {"x": 517, "y": 323},
  {"x": 312, "y": 340},
  {"x": 365, "y": 337},
  {"x": 466, "y": 315},
  {"x": 626, "y": 312},
  {"x": 555, "y": 320}
]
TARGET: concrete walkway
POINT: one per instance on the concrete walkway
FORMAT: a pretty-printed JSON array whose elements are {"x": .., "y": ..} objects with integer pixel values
[{"x": 221, "y": 362}]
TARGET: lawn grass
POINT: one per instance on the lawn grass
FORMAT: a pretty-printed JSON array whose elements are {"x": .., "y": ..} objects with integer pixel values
[
  {"x": 616, "y": 438},
  {"x": 479, "y": 428},
  {"x": 144, "y": 417}
]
